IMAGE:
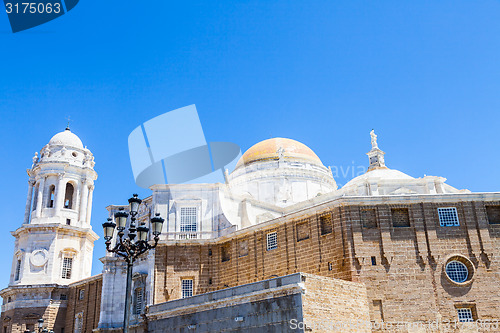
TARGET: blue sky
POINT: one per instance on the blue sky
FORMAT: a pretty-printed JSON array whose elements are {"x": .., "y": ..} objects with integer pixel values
[{"x": 424, "y": 74}]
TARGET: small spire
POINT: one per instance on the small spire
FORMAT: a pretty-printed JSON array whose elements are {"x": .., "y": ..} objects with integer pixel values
[
  {"x": 67, "y": 126},
  {"x": 375, "y": 155}
]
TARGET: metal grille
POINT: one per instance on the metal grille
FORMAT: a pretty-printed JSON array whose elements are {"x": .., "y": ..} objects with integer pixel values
[
  {"x": 457, "y": 271},
  {"x": 66, "y": 268},
  {"x": 465, "y": 315},
  {"x": 272, "y": 240},
  {"x": 139, "y": 300},
  {"x": 448, "y": 217},
  {"x": 189, "y": 217},
  {"x": 187, "y": 288}
]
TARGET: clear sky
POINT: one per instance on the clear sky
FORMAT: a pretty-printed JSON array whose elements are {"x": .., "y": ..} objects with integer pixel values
[{"x": 424, "y": 74}]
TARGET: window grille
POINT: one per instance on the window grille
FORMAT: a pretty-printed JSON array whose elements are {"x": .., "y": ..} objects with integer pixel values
[
  {"x": 465, "y": 315},
  {"x": 66, "y": 267},
  {"x": 187, "y": 288},
  {"x": 189, "y": 219},
  {"x": 139, "y": 300},
  {"x": 448, "y": 217},
  {"x": 272, "y": 240},
  {"x": 457, "y": 271},
  {"x": 82, "y": 294}
]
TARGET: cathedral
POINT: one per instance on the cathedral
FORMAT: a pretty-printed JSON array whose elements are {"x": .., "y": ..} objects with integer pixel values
[{"x": 276, "y": 247}]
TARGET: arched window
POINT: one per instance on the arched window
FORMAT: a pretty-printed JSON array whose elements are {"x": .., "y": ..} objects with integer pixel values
[
  {"x": 35, "y": 198},
  {"x": 17, "y": 274},
  {"x": 138, "y": 300},
  {"x": 79, "y": 323},
  {"x": 51, "y": 197},
  {"x": 68, "y": 197}
]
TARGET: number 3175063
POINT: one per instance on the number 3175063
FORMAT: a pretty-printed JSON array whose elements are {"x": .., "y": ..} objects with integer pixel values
[{"x": 33, "y": 8}]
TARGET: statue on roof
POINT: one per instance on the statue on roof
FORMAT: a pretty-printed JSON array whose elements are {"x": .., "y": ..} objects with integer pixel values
[
  {"x": 374, "y": 139},
  {"x": 35, "y": 159}
]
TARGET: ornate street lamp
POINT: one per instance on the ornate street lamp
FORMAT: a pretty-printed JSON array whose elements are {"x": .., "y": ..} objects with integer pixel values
[{"x": 129, "y": 247}]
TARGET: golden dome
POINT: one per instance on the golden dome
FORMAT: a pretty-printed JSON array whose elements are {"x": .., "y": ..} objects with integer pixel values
[{"x": 272, "y": 148}]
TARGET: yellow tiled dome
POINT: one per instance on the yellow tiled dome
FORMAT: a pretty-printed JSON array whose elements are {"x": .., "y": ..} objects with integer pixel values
[{"x": 272, "y": 148}]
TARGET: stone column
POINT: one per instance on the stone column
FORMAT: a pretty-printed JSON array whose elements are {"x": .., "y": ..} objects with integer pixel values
[
  {"x": 29, "y": 199},
  {"x": 84, "y": 201},
  {"x": 60, "y": 193},
  {"x": 78, "y": 190},
  {"x": 89, "y": 203},
  {"x": 39, "y": 203}
]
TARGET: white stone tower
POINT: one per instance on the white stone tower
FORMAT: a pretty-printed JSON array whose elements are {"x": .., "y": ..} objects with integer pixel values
[
  {"x": 54, "y": 245},
  {"x": 55, "y": 242}
]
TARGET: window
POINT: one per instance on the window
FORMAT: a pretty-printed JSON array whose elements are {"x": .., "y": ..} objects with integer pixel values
[
  {"x": 448, "y": 217},
  {"x": 368, "y": 218},
  {"x": 225, "y": 252},
  {"x": 243, "y": 247},
  {"x": 189, "y": 221},
  {"x": 18, "y": 270},
  {"x": 457, "y": 271},
  {"x": 66, "y": 267},
  {"x": 272, "y": 240},
  {"x": 493, "y": 213},
  {"x": 68, "y": 221},
  {"x": 138, "y": 300},
  {"x": 374, "y": 261},
  {"x": 81, "y": 295},
  {"x": 325, "y": 222},
  {"x": 79, "y": 323},
  {"x": 50, "y": 201},
  {"x": 9, "y": 300},
  {"x": 35, "y": 198},
  {"x": 68, "y": 197},
  {"x": 63, "y": 297},
  {"x": 330, "y": 266},
  {"x": 187, "y": 288},
  {"x": 302, "y": 231},
  {"x": 400, "y": 217},
  {"x": 465, "y": 315}
]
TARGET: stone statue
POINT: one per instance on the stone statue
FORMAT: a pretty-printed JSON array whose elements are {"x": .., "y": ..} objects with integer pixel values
[
  {"x": 374, "y": 139},
  {"x": 280, "y": 152},
  {"x": 35, "y": 159}
]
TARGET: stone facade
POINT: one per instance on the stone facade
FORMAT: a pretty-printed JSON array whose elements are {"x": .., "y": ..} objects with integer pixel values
[{"x": 387, "y": 252}]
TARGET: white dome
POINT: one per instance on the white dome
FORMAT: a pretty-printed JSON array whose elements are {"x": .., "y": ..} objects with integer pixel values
[
  {"x": 379, "y": 173},
  {"x": 66, "y": 138}
]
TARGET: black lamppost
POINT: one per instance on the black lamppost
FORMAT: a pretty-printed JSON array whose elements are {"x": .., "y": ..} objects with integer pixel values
[{"x": 129, "y": 247}]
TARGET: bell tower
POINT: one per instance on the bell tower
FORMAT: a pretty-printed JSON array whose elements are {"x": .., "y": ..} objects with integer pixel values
[{"x": 54, "y": 245}]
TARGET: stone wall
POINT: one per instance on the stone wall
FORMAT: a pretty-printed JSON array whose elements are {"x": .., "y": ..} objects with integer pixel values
[
  {"x": 284, "y": 304},
  {"x": 84, "y": 303},
  {"x": 401, "y": 266}
]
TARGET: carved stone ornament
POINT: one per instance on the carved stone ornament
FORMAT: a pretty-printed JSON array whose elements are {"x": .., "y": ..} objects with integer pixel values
[{"x": 39, "y": 257}]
